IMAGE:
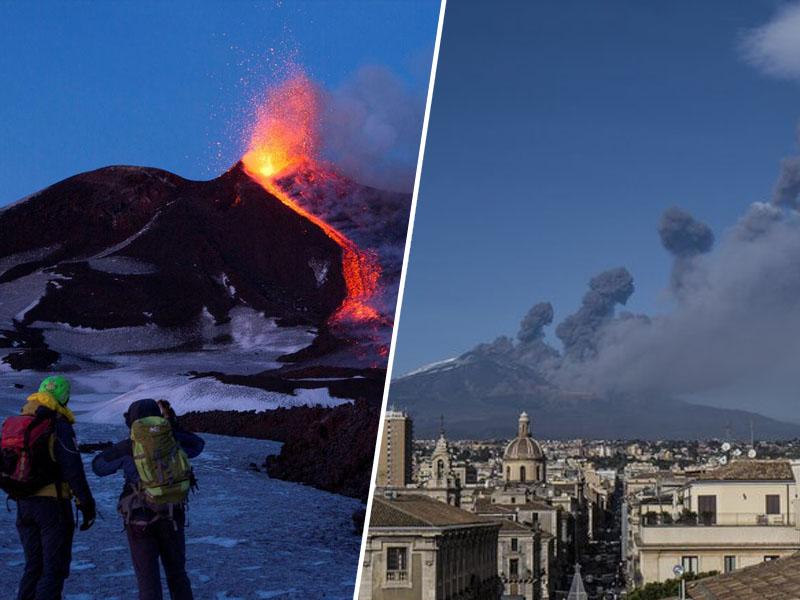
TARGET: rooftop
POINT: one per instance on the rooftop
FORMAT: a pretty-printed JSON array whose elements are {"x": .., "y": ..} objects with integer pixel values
[
  {"x": 413, "y": 510},
  {"x": 751, "y": 470},
  {"x": 773, "y": 580}
]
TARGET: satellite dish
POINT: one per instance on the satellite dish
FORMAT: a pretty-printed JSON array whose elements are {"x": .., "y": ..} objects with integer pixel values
[
  {"x": 723, "y": 460},
  {"x": 737, "y": 452},
  {"x": 751, "y": 453},
  {"x": 726, "y": 446}
]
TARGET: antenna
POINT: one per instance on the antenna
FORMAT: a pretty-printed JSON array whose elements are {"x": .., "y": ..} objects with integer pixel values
[
  {"x": 441, "y": 425},
  {"x": 752, "y": 435}
]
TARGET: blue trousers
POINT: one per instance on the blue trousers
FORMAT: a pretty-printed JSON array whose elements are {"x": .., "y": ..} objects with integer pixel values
[{"x": 45, "y": 527}]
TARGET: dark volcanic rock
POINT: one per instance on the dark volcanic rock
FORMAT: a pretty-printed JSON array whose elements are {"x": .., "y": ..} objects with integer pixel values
[
  {"x": 127, "y": 246},
  {"x": 30, "y": 350},
  {"x": 328, "y": 448},
  {"x": 341, "y": 382}
]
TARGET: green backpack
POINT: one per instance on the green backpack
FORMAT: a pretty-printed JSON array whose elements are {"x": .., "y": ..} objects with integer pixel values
[{"x": 162, "y": 464}]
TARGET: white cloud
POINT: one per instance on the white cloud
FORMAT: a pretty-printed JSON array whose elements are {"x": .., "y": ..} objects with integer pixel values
[{"x": 774, "y": 47}]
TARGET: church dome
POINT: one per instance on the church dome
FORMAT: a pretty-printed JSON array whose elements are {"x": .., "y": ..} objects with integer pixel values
[{"x": 523, "y": 447}]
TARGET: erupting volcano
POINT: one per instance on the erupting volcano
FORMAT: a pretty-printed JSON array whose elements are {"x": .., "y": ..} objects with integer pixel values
[{"x": 284, "y": 140}]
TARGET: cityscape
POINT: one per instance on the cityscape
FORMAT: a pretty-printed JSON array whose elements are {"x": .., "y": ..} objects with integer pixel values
[{"x": 523, "y": 518}]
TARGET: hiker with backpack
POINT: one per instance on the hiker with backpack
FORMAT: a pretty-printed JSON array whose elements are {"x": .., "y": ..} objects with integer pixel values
[
  {"x": 158, "y": 478},
  {"x": 41, "y": 469}
]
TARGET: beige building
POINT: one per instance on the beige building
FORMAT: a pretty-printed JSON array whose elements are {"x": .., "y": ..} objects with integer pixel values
[
  {"x": 738, "y": 515},
  {"x": 395, "y": 464},
  {"x": 421, "y": 549},
  {"x": 523, "y": 459}
]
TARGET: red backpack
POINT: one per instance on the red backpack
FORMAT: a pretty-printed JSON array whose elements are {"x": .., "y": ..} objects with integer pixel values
[{"x": 26, "y": 465}]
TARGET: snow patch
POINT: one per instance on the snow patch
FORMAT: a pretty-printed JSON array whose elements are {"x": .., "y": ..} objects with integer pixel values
[
  {"x": 222, "y": 542},
  {"x": 320, "y": 268},
  {"x": 439, "y": 366}
]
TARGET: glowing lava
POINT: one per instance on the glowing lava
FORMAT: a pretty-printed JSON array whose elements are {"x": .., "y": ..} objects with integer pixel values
[{"x": 285, "y": 137}]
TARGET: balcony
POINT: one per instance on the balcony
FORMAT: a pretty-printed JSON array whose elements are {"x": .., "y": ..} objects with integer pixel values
[
  {"x": 397, "y": 576},
  {"x": 690, "y": 519},
  {"x": 720, "y": 530}
]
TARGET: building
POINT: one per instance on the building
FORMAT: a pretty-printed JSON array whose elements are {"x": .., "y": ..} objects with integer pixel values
[
  {"x": 421, "y": 549},
  {"x": 738, "y": 515},
  {"x": 441, "y": 477},
  {"x": 774, "y": 580},
  {"x": 523, "y": 459},
  {"x": 395, "y": 464}
]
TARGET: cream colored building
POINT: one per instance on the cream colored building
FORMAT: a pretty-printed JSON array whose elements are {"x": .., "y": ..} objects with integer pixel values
[
  {"x": 738, "y": 515},
  {"x": 395, "y": 459},
  {"x": 523, "y": 459},
  {"x": 420, "y": 549}
]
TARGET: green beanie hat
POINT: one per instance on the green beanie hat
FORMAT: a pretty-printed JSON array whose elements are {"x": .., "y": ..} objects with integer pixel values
[{"x": 58, "y": 386}]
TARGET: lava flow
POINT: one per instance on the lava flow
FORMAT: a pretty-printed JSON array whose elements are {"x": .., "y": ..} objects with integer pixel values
[{"x": 284, "y": 138}]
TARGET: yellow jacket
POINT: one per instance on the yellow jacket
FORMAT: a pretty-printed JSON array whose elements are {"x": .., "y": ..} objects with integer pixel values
[{"x": 48, "y": 401}]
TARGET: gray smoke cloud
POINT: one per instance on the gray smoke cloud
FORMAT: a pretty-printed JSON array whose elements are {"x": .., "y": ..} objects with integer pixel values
[
  {"x": 578, "y": 332},
  {"x": 684, "y": 237},
  {"x": 371, "y": 127},
  {"x": 532, "y": 326},
  {"x": 735, "y": 335},
  {"x": 787, "y": 188}
]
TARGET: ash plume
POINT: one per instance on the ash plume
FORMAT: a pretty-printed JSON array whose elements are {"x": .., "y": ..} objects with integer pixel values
[
  {"x": 787, "y": 188},
  {"x": 532, "y": 326},
  {"x": 579, "y": 331},
  {"x": 370, "y": 128},
  {"x": 684, "y": 237}
]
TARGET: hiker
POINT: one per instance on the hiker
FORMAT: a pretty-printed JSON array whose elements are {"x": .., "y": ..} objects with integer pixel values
[
  {"x": 42, "y": 470},
  {"x": 153, "y": 500}
]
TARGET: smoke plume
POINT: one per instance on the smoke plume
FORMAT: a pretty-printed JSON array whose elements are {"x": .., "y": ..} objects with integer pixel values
[
  {"x": 579, "y": 331},
  {"x": 684, "y": 237},
  {"x": 532, "y": 326},
  {"x": 371, "y": 127},
  {"x": 733, "y": 338}
]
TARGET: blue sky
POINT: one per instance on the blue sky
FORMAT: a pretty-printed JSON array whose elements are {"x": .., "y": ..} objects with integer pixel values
[
  {"x": 87, "y": 84},
  {"x": 559, "y": 133}
]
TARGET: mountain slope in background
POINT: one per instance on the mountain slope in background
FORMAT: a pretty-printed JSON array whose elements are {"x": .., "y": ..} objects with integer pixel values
[{"x": 482, "y": 392}]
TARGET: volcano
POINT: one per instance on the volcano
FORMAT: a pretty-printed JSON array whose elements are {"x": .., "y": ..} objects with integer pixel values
[
  {"x": 482, "y": 392},
  {"x": 141, "y": 248}
]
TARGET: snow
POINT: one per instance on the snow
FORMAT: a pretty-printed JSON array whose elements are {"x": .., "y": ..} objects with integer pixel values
[
  {"x": 320, "y": 268},
  {"x": 129, "y": 240},
  {"x": 121, "y": 265},
  {"x": 20, "y": 258},
  {"x": 248, "y": 536},
  {"x": 439, "y": 366},
  {"x": 19, "y": 296}
]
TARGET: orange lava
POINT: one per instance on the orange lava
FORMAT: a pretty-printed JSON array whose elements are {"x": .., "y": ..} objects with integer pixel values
[{"x": 284, "y": 137}]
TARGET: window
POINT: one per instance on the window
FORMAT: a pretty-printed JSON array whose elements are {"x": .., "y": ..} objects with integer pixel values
[
  {"x": 773, "y": 504},
  {"x": 514, "y": 544},
  {"x": 522, "y": 474},
  {"x": 771, "y": 557},
  {"x": 513, "y": 499},
  {"x": 707, "y": 509},
  {"x": 730, "y": 563},
  {"x": 689, "y": 564},
  {"x": 397, "y": 564},
  {"x": 513, "y": 567}
]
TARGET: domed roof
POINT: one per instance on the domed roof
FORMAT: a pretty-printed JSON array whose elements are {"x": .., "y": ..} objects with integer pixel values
[{"x": 523, "y": 447}]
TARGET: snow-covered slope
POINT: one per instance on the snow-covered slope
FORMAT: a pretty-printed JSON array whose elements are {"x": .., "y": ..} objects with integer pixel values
[{"x": 249, "y": 536}]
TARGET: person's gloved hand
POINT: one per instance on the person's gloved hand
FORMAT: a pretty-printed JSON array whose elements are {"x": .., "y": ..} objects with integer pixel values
[
  {"x": 168, "y": 412},
  {"x": 88, "y": 515}
]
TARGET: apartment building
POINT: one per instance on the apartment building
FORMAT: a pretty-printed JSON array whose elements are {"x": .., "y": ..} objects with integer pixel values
[{"x": 738, "y": 515}]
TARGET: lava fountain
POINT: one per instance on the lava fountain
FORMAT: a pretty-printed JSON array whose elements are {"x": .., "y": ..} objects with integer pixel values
[{"x": 286, "y": 137}]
